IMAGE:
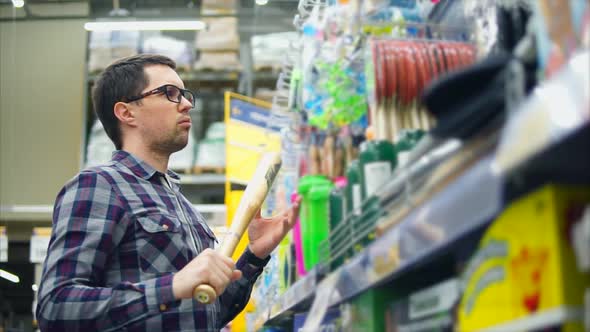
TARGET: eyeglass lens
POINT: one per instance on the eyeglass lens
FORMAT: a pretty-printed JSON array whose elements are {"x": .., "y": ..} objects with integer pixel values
[{"x": 175, "y": 94}]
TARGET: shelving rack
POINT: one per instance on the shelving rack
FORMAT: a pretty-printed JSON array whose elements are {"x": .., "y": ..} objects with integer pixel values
[
  {"x": 461, "y": 210},
  {"x": 457, "y": 209}
]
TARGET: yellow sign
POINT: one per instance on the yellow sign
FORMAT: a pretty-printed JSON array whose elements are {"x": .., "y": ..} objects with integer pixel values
[{"x": 249, "y": 133}]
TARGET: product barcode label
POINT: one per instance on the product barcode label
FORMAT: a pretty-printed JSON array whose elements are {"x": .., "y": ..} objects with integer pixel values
[
  {"x": 376, "y": 174},
  {"x": 3, "y": 248},
  {"x": 39, "y": 246},
  {"x": 357, "y": 200}
]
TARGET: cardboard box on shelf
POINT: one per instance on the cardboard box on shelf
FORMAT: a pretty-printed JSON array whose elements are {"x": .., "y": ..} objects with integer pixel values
[
  {"x": 524, "y": 271},
  {"x": 218, "y": 61},
  {"x": 221, "y": 33}
]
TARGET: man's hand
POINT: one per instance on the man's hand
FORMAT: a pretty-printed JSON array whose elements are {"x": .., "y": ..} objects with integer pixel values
[
  {"x": 209, "y": 267},
  {"x": 266, "y": 233}
]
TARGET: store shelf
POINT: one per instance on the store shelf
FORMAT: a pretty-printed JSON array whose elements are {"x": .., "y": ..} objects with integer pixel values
[
  {"x": 461, "y": 207},
  {"x": 303, "y": 290},
  {"x": 449, "y": 217},
  {"x": 202, "y": 179},
  {"x": 297, "y": 297},
  {"x": 21, "y": 212},
  {"x": 459, "y": 210}
]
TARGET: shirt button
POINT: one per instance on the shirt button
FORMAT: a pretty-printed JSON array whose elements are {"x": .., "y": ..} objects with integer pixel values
[
  {"x": 165, "y": 227},
  {"x": 163, "y": 307}
]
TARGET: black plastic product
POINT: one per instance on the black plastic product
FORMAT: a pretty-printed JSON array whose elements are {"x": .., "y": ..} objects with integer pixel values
[{"x": 466, "y": 100}]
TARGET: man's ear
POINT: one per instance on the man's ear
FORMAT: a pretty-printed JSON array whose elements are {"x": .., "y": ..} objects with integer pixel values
[{"x": 124, "y": 112}]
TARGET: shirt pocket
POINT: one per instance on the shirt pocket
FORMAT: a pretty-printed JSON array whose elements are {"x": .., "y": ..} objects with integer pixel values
[
  {"x": 204, "y": 231},
  {"x": 160, "y": 245}
]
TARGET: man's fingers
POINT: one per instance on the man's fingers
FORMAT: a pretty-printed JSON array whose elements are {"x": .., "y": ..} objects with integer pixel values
[
  {"x": 224, "y": 267},
  {"x": 227, "y": 261},
  {"x": 292, "y": 216},
  {"x": 236, "y": 275},
  {"x": 218, "y": 280}
]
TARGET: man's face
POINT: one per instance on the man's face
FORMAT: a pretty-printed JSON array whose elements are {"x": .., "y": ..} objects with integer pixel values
[{"x": 164, "y": 126}]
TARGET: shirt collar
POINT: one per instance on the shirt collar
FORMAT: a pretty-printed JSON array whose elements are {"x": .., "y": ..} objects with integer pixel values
[{"x": 138, "y": 166}]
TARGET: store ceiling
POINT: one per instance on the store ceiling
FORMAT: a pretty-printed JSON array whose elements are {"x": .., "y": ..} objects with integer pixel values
[{"x": 275, "y": 16}]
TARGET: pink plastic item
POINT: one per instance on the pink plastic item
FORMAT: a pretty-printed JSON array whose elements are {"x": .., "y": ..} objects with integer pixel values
[{"x": 299, "y": 263}]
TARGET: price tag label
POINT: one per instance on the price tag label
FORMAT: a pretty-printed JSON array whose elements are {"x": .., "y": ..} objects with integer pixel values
[
  {"x": 287, "y": 298},
  {"x": 321, "y": 303},
  {"x": 39, "y": 243},
  {"x": 3, "y": 245}
]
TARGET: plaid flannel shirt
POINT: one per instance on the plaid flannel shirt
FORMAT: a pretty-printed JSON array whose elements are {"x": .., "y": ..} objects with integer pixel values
[{"x": 120, "y": 231}]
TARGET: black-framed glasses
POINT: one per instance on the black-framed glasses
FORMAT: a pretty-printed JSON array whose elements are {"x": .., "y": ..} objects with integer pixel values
[{"x": 172, "y": 92}]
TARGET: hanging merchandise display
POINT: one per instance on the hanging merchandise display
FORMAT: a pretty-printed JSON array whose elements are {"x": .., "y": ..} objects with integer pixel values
[{"x": 397, "y": 75}]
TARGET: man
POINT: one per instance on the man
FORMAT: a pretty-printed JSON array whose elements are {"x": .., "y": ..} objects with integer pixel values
[{"x": 127, "y": 248}]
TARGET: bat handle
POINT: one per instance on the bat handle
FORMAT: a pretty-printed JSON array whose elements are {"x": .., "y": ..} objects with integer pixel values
[{"x": 204, "y": 294}]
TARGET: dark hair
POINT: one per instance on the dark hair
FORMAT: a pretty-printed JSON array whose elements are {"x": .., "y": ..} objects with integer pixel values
[{"x": 121, "y": 80}]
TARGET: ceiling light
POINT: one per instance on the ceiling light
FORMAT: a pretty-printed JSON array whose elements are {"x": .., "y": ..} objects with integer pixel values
[
  {"x": 9, "y": 276},
  {"x": 18, "y": 3},
  {"x": 261, "y": 2},
  {"x": 144, "y": 25},
  {"x": 35, "y": 287}
]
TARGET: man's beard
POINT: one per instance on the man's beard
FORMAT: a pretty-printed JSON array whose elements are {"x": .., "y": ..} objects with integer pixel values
[{"x": 171, "y": 145}]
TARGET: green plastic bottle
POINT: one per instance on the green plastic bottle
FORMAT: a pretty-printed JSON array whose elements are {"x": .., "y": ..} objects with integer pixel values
[
  {"x": 306, "y": 219},
  {"x": 377, "y": 162},
  {"x": 319, "y": 221}
]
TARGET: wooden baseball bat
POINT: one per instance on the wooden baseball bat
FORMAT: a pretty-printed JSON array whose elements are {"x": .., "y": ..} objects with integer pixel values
[{"x": 250, "y": 204}]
